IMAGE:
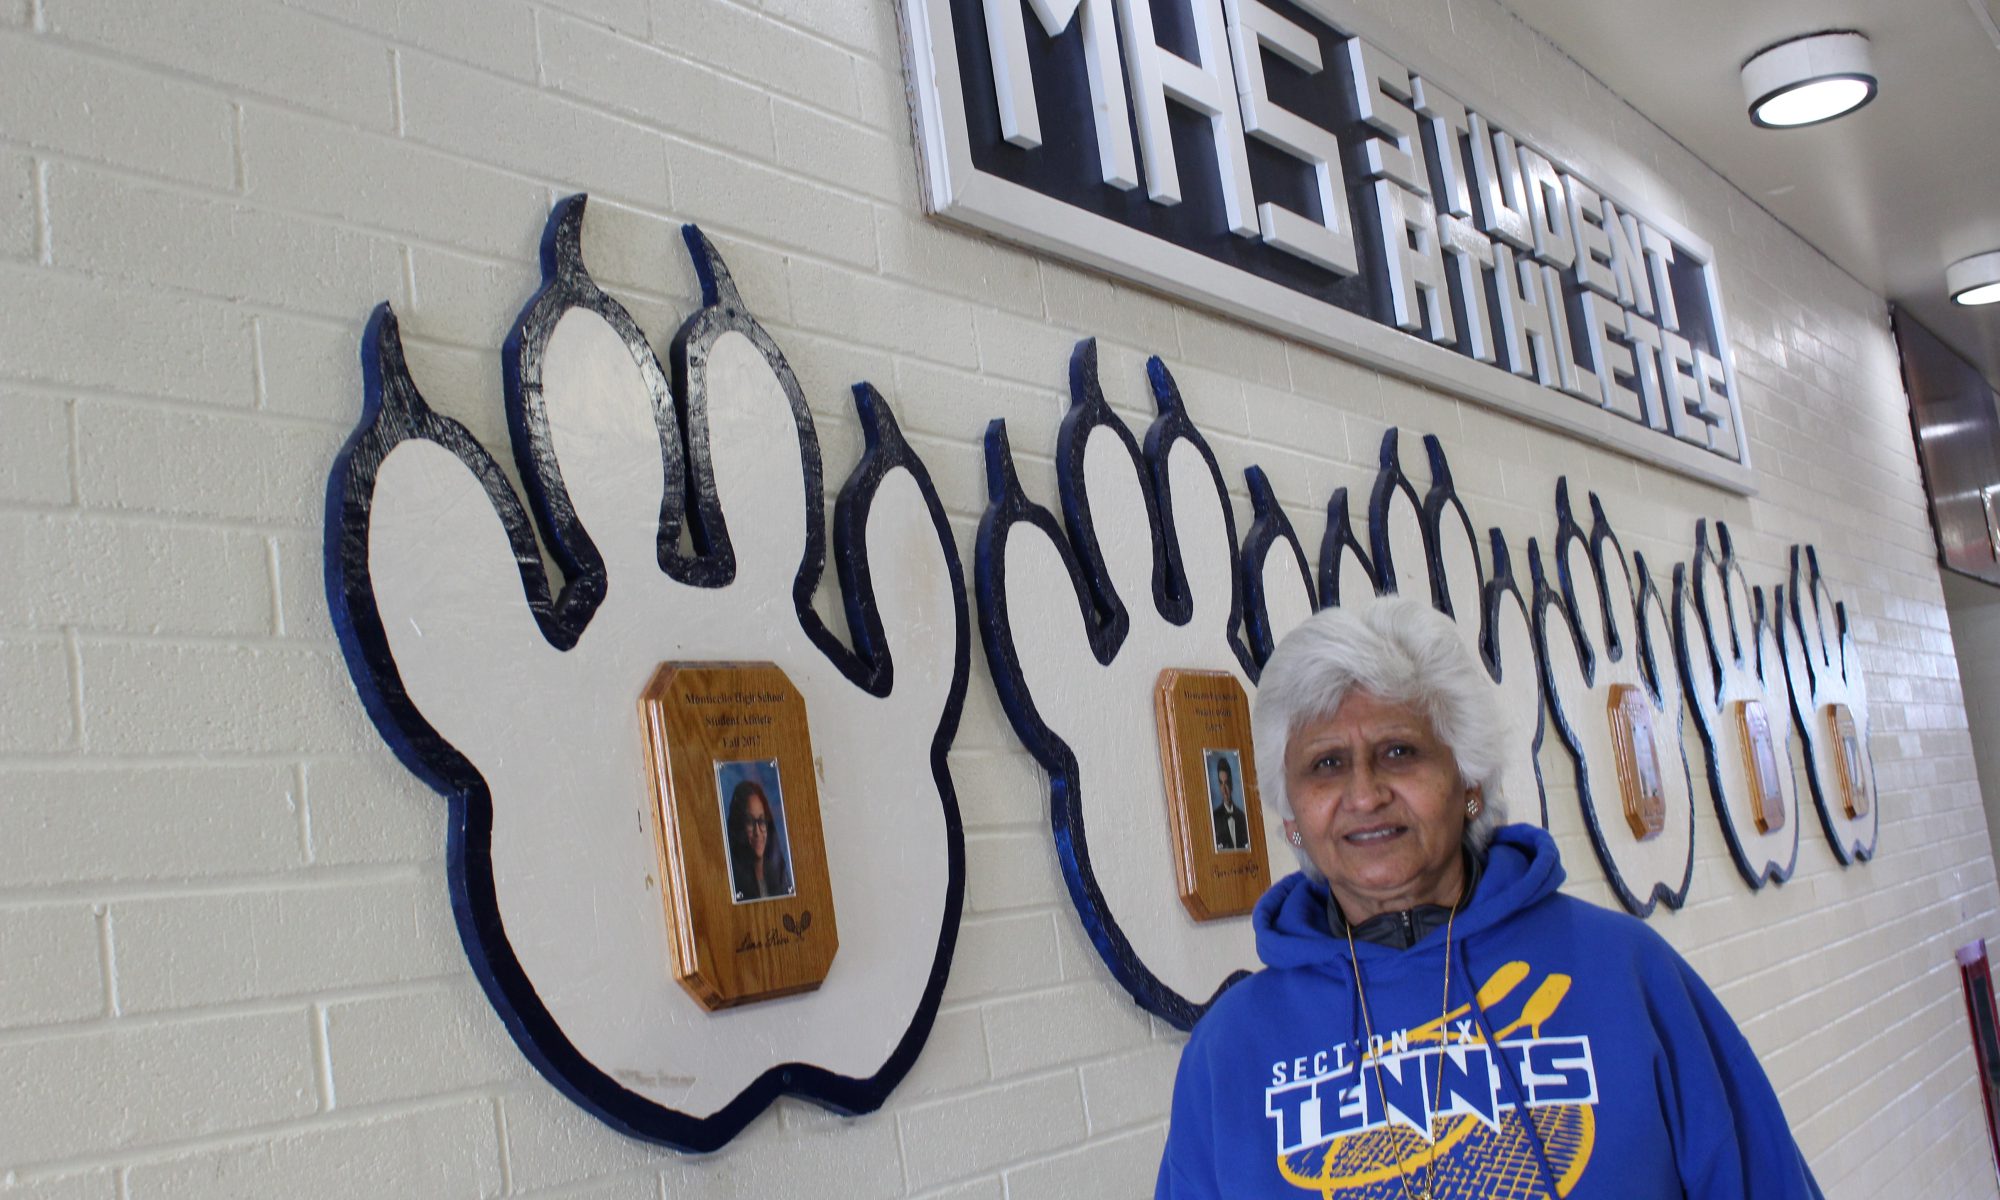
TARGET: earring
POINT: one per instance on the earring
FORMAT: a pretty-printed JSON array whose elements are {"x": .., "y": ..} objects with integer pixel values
[
  {"x": 1471, "y": 807},
  {"x": 1295, "y": 839}
]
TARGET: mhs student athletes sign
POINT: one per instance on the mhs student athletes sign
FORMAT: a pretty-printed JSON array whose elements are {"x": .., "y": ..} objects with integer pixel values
[{"x": 1259, "y": 157}]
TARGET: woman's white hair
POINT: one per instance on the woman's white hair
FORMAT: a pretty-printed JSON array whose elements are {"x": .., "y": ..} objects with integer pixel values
[{"x": 1398, "y": 650}]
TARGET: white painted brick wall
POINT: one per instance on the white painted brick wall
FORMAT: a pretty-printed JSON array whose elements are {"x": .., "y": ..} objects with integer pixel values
[
  {"x": 125, "y": 116},
  {"x": 102, "y": 823},
  {"x": 96, "y": 1089},
  {"x": 38, "y": 705},
  {"x": 52, "y": 956},
  {"x": 444, "y": 1151},
  {"x": 17, "y": 206},
  {"x": 1975, "y": 633},
  {"x": 227, "y": 962}
]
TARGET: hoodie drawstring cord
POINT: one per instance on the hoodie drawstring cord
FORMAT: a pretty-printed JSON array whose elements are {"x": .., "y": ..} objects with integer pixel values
[{"x": 1507, "y": 1069}]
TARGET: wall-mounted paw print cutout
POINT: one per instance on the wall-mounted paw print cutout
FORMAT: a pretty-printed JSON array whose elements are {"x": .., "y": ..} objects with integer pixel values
[
  {"x": 1829, "y": 708},
  {"x": 1616, "y": 703},
  {"x": 1735, "y": 686},
  {"x": 1079, "y": 619},
  {"x": 687, "y": 522},
  {"x": 1422, "y": 542},
  {"x": 1426, "y": 545}
]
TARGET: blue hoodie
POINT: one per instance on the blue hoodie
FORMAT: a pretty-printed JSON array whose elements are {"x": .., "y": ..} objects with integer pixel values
[{"x": 1634, "y": 1080}]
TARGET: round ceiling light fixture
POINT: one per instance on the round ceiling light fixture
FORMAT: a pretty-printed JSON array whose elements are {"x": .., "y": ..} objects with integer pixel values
[
  {"x": 1974, "y": 280},
  {"x": 1809, "y": 79}
]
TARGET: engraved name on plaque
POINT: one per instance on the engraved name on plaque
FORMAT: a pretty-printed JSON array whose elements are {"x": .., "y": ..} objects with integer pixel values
[
  {"x": 1760, "y": 766},
  {"x": 1211, "y": 785},
  {"x": 743, "y": 866},
  {"x": 1631, "y": 715},
  {"x": 1848, "y": 761}
]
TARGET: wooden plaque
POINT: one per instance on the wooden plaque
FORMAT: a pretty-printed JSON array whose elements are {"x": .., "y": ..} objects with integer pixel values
[
  {"x": 1211, "y": 783},
  {"x": 1848, "y": 762},
  {"x": 1760, "y": 764},
  {"x": 1631, "y": 716},
  {"x": 743, "y": 867}
]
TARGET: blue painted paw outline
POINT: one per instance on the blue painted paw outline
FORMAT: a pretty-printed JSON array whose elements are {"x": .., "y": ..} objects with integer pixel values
[
  {"x": 1729, "y": 654},
  {"x": 1600, "y": 629},
  {"x": 1823, "y": 665},
  {"x": 1075, "y": 653},
  {"x": 1420, "y": 541},
  {"x": 1076, "y": 648},
  {"x": 1425, "y": 545},
  {"x": 446, "y": 615}
]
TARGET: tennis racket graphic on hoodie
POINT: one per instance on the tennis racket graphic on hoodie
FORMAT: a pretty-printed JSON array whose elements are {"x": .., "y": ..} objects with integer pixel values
[{"x": 1465, "y": 1155}]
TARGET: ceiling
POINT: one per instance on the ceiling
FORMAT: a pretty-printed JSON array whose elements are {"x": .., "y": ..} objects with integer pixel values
[{"x": 1893, "y": 193}]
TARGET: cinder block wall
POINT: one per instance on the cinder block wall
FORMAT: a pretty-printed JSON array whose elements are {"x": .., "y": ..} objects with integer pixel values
[{"x": 227, "y": 964}]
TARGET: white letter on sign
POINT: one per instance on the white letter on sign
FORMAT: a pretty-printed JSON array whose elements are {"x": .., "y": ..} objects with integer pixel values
[
  {"x": 1611, "y": 352},
  {"x": 1498, "y": 191},
  {"x": 1592, "y": 225},
  {"x": 1382, "y": 99},
  {"x": 1208, "y": 87},
  {"x": 1329, "y": 241},
  {"x": 1659, "y": 252},
  {"x": 1448, "y": 126},
  {"x": 1720, "y": 419},
  {"x": 1412, "y": 268},
  {"x": 1014, "y": 89},
  {"x": 1687, "y": 416},
  {"x": 1527, "y": 333},
  {"x": 1548, "y": 209}
]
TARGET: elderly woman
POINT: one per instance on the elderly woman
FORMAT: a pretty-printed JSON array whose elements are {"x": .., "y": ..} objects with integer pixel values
[{"x": 1435, "y": 1019}]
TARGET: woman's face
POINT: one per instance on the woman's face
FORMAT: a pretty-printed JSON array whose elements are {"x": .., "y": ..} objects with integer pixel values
[
  {"x": 1379, "y": 806},
  {"x": 756, "y": 825}
]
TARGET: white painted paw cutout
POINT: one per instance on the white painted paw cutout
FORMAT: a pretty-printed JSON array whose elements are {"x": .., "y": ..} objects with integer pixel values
[
  {"x": 1079, "y": 619},
  {"x": 1419, "y": 542},
  {"x": 1424, "y": 544},
  {"x": 1598, "y": 632},
  {"x": 1824, "y": 668},
  {"x": 1727, "y": 648},
  {"x": 520, "y": 704}
]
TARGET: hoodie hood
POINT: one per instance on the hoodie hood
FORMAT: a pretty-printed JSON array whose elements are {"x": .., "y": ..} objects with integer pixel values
[
  {"x": 1522, "y": 868},
  {"x": 1593, "y": 1062}
]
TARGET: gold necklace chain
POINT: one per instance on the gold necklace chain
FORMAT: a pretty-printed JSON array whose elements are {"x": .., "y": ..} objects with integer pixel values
[{"x": 1429, "y": 1191}]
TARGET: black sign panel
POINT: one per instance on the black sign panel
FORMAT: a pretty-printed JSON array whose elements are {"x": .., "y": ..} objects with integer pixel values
[{"x": 1249, "y": 155}]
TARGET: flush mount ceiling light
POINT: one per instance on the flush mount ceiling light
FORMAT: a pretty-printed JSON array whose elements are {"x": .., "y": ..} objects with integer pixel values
[
  {"x": 1808, "y": 79},
  {"x": 1974, "y": 280}
]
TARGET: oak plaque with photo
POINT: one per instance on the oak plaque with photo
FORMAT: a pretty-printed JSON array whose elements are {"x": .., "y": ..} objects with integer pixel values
[
  {"x": 1631, "y": 715},
  {"x": 1849, "y": 764},
  {"x": 749, "y": 903},
  {"x": 1211, "y": 783},
  {"x": 1760, "y": 764}
]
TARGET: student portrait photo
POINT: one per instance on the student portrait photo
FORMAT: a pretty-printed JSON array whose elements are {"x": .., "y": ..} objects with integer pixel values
[
  {"x": 1225, "y": 799},
  {"x": 753, "y": 822}
]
